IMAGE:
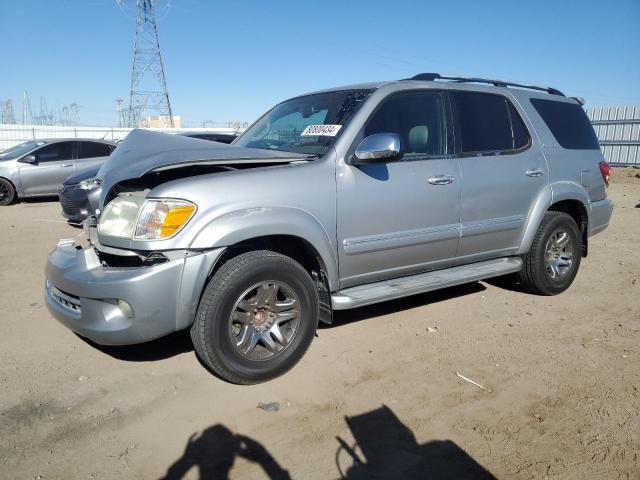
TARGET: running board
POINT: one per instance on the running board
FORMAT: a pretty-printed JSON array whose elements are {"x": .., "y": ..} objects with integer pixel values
[{"x": 424, "y": 282}]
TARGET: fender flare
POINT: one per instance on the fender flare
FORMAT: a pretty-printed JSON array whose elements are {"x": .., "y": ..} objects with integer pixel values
[
  {"x": 556, "y": 192},
  {"x": 247, "y": 223}
]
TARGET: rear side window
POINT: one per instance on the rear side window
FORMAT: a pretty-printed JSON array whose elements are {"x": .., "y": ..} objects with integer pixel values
[
  {"x": 488, "y": 123},
  {"x": 94, "y": 149},
  {"x": 568, "y": 123}
]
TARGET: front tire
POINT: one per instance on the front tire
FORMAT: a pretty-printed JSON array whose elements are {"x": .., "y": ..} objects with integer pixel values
[
  {"x": 7, "y": 192},
  {"x": 552, "y": 263},
  {"x": 257, "y": 317}
]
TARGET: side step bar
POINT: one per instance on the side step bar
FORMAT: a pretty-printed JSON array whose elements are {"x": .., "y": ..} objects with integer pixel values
[{"x": 424, "y": 282}]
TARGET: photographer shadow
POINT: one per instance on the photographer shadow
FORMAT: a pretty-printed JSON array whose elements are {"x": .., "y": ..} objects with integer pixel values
[
  {"x": 384, "y": 448},
  {"x": 214, "y": 451}
]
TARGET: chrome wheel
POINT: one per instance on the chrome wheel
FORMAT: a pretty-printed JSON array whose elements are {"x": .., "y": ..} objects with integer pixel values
[
  {"x": 559, "y": 254},
  {"x": 264, "y": 320}
]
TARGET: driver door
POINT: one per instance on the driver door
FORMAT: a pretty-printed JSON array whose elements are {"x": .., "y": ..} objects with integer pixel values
[
  {"x": 54, "y": 164},
  {"x": 400, "y": 217}
]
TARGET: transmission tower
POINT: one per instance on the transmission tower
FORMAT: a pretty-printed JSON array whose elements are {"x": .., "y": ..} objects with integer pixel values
[
  {"x": 148, "y": 83},
  {"x": 122, "y": 120},
  {"x": 6, "y": 112}
]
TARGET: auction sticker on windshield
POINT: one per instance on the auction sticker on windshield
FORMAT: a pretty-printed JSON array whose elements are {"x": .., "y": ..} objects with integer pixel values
[{"x": 321, "y": 130}]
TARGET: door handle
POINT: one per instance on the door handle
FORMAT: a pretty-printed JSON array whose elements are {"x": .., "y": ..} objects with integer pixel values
[
  {"x": 534, "y": 172},
  {"x": 440, "y": 180},
  {"x": 67, "y": 165}
]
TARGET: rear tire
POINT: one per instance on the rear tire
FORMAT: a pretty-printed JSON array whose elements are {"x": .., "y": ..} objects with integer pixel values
[
  {"x": 7, "y": 192},
  {"x": 552, "y": 263},
  {"x": 257, "y": 317}
]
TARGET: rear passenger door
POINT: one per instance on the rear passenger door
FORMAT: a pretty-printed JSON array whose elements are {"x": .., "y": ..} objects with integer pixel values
[
  {"x": 92, "y": 154},
  {"x": 502, "y": 173}
]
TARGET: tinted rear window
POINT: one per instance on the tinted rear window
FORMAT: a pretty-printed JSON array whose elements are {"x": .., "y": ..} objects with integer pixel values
[
  {"x": 94, "y": 149},
  {"x": 488, "y": 123},
  {"x": 568, "y": 123}
]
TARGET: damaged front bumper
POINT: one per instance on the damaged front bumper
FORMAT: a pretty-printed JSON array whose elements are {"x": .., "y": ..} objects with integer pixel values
[{"x": 124, "y": 305}]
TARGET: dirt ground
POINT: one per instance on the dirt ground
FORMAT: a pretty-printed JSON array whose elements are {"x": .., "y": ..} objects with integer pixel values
[{"x": 376, "y": 396}]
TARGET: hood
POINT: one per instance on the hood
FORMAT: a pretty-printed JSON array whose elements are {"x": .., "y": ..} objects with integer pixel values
[
  {"x": 143, "y": 151},
  {"x": 82, "y": 175}
]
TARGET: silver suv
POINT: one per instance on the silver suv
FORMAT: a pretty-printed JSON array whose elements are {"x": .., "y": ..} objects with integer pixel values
[{"x": 331, "y": 201}]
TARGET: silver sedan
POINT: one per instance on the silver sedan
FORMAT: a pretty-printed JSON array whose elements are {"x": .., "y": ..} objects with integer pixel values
[{"x": 39, "y": 167}]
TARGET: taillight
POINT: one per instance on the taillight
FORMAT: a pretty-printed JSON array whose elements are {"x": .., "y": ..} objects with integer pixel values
[{"x": 605, "y": 170}]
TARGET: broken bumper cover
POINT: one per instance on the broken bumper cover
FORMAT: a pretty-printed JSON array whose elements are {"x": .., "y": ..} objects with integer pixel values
[{"x": 120, "y": 306}]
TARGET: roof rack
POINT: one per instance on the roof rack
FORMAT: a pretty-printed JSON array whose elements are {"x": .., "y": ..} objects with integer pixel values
[{"x": 430, "y": 77}]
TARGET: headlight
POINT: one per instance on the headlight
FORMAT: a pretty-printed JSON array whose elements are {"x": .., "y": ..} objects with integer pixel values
[
  {"x": 132, "y": 216},
  {"x": 89, "y": 184},
  {"x": 160, "y": 219},
  {"x": 119, "y": 216}
]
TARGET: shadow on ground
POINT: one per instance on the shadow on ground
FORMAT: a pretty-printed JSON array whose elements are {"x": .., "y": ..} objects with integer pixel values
[
  {"x": 344, "y": 317},
  {"x": 180, "y": 342},
  {"x": 507, "y": 282},
  {"x": 384, "y": 448},
  {"x": 214, "y": 451},
  {"x": 160, "y": 349},
  {"x": 48, "y": 198}
]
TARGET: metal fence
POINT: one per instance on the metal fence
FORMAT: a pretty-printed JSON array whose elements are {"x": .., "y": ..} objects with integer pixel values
[
  {"x": 618, "y": 130},
  {"x": 11, "y": 135}
]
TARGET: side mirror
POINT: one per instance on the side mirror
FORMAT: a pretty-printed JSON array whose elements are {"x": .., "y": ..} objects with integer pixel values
[
  {"x": 379, "y": 147},
  {"x": 29, "y": 159}
]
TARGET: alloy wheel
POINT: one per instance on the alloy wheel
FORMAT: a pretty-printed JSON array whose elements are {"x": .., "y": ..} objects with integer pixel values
[
  {"x": 264, "y": 320},
  {"x": 559, "y": 254}
]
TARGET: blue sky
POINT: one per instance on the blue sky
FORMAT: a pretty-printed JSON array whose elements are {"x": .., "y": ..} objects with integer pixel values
[{"x": 232, "y": 60}]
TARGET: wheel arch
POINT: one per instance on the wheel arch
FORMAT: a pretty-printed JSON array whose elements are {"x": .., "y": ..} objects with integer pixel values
[
  {"x": 13, "y": 185},
  {"x": 275, "y": 223},
  {"x": 567, "y": 197},
  {"x": 576, "y": 210},
  {"x": 294, "y": 247}
]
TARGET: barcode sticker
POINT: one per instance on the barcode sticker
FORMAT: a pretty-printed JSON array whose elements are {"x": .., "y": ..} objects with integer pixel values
[{"x": 321, "y": 130}]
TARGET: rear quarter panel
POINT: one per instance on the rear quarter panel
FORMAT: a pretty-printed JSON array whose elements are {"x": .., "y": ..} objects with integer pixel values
[{"x": 578, "y": 167}]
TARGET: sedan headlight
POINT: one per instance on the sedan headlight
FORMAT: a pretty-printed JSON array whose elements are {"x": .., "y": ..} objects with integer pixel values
[
  {"x": 90, "y": 184},
  {"x": 160, "y": 219},
  {"x": 135, "y": 217}
]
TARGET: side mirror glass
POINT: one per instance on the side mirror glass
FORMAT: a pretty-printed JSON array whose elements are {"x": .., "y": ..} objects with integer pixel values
[
  {"x": 29, "y": 159},
  {"x": 379, "y": 147}
]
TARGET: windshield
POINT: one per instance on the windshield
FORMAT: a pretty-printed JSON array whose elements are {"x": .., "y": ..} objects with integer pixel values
[
  {"x": 307, "y": 125},
  {"x": 19, "y": 150}
]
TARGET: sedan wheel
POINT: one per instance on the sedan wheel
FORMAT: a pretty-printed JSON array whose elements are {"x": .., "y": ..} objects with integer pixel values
[{"x": 7, "y": 193}]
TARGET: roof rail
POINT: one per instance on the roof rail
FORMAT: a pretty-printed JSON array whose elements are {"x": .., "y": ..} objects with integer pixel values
[{"x": 430, "y": 77}]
